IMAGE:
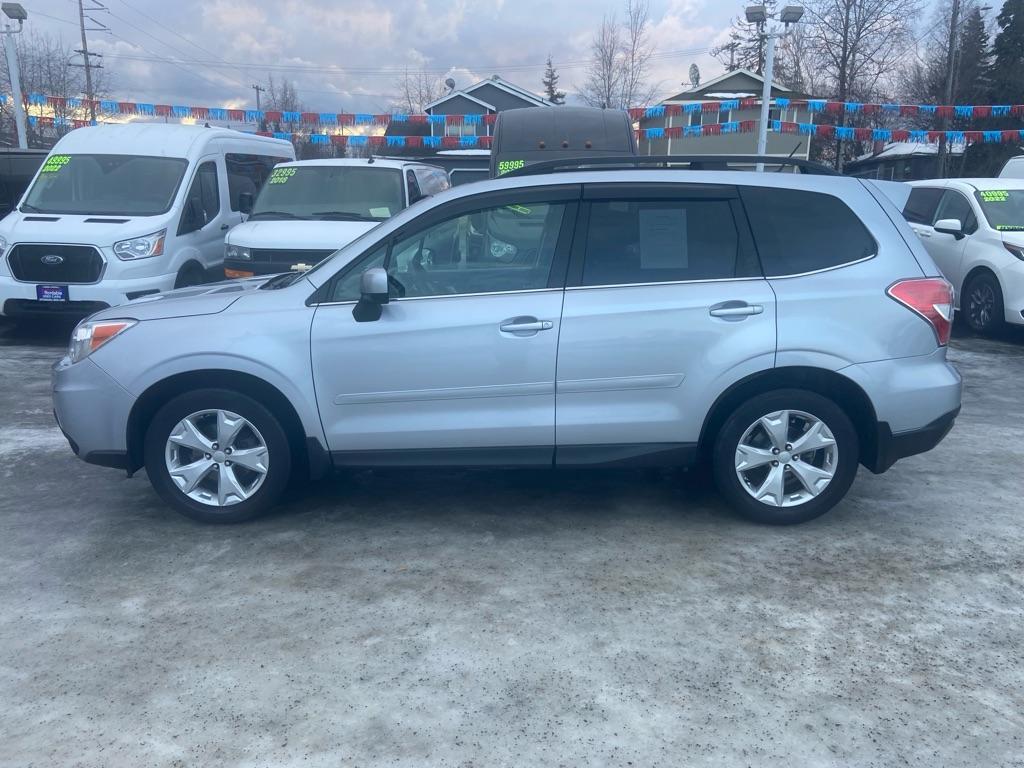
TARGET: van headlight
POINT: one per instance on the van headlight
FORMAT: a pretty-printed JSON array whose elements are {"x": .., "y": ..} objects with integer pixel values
[
  {"x": 237, "y": 253},
  {"x": 141, "y": 247},
  {"x": 90, "y": 336},
  {"x": 3, "y": 245}
]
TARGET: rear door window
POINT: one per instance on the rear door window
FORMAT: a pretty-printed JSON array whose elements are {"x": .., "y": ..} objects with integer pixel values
[
  {"x": 798, "y": 231},
  {"x": 633, "y": 242},
  {"x": 921, "y": 205}
]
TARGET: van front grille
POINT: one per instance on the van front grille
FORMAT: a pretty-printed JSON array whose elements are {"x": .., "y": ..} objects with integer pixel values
[{"x": 62, "y": 264}]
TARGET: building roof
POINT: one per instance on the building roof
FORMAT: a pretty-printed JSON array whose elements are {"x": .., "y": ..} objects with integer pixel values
[
  {"x": 895, "y": 149},
  {"x": 497, "y": 82},
  {"x": 724, "y": 88}
]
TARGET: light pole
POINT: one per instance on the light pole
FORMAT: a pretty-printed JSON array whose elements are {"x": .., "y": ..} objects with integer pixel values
[
  {"x": 758, "y": 14},
  {"x": 15, "y": 12}
]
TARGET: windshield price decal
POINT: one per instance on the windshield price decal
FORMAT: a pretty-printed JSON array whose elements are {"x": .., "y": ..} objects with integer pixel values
[
  {"x": 280, "y": 175},
  {"x": 520, "y": 209},
  {"x": 994, "y": 195},
  {"x": 510, "y": 165},
  {"x": 54, "y": 163}
]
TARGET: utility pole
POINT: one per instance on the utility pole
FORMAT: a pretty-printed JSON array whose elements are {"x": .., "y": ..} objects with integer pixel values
[
  {"x": 954, "y": 23},
  {"x": 84, "y": 50},
  {"x": 15, "y": 12},
  {"x": 259, "y": 89}
]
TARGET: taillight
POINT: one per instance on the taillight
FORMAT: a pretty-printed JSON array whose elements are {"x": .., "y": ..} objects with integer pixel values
[{"x": 931, "y": 298}]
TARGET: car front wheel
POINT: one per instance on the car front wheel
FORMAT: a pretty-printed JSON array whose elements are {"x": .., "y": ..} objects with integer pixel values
[
  {"x": 785, "y": 457},
  {"x": 217, "y": 456}
]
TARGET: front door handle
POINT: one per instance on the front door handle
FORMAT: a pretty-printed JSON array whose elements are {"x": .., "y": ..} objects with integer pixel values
[
  {"x": 523, "y": 326},
  {"x": 224, "y": 227},
  {"x": 735, "y": 309}
]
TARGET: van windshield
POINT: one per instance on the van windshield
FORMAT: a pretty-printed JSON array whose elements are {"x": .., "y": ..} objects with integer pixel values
[
  {"x": 106, "y": 185},
  {"x": 1004, "y": 208},
  {"x": 330, "y": 192}
]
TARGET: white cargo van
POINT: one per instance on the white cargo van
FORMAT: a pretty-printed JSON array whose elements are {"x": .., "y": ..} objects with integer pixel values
[
  {"x": 309, "y": 209},
  {"x": 121, "y": 211}
]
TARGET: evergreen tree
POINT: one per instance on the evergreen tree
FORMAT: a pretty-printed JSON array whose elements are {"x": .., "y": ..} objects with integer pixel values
[
  {"x": 972, "y": 71},
  {"x": 1007, "y": 85},
  {"x": 746, "y": 47},
  {"x": 550, "y": 83}
]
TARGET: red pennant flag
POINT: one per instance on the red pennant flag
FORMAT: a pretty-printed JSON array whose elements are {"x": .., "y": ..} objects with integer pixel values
[
  {"x": 934, "y": 135},
  {"x": 414, "y": 141},
  {"x": 450, "y": 142},
  {"x": 346, "y": 118},
  {"x": 982, "y": 111},
  {"x": 375, "y": 141},
  {"x": 310, "y": 118},
  {"x": 274, "y": 116},
  {"x": 672, "y": 110},
  {"x": 908, "y": 110},
  {"x": 1009, "y": 136},
  {"x": 484, "y": 142},
  {"x": 200, "y": 113},
  {"x": 236, "y": 114},
  {"x": 709, "y": 106},
  {"x": 490, "y": 119},
  {"x": 900, "y": 135},
  {"x": 944, "y": 111},
  {"x": 862, "y": 134},
  {"x": 871, "y": 109},
  {"x": 163, "y": 110},
  {"x": 825, "y": 130},
  {"x": 834, "y": 106},
  {"x": 635, "y": 113},
  {"x": 339, "y": 140},
  {"x": 417, "y": 119},
  {"x": 972, "y": 136}
]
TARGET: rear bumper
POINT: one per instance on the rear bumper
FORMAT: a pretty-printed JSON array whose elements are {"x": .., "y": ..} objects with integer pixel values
[{"x": 893, "y": 447}]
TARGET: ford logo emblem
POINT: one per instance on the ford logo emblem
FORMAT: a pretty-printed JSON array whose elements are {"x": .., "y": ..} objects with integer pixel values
[{"x": 52, "y": 259}]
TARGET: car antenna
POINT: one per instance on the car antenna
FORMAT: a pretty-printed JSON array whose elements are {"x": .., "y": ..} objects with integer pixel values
[{"x": 370, "y": 161}]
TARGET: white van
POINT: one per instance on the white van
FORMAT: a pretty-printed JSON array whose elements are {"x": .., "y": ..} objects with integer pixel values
[
  {"x": 1014, "y": 168},
  {"x": 309, "y": 209},
  {"x": 122, "y": 211}
]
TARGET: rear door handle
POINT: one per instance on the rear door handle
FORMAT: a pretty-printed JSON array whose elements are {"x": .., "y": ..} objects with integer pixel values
[
  {"x": 735, "y": 309},
  {"x": 525, "y": 325}
]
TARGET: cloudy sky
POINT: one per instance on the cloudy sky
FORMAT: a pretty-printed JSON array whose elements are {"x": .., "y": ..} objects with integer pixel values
[{"x": 347, "y": 55}]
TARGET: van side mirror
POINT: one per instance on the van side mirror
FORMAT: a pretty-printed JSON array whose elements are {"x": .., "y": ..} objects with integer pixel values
[
  {"x": 245, "y": 201},
  {"x": 373, "y": 289},
  {"x": 950, "y": 227}
]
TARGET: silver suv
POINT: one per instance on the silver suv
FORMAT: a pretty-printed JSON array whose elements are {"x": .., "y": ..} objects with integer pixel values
[{"x": 778, "y": 329}]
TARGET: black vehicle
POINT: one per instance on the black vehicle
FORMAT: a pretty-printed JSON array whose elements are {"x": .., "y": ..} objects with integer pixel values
[
  {"x": 17, "y": 168},
  {"x": 536, "y": 134}
]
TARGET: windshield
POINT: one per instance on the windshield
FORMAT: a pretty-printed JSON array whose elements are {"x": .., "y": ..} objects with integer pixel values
[
  {"x": 330, "y": 192},
  {"x": 1004, "y": 208},
  {"x": 106, "y": 185}
]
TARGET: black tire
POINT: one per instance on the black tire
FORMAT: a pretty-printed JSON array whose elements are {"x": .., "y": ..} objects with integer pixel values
[
  {"x": 982, "y": 303},
  {"x": 728, "y": 439},
  {"x": 189, "y": 275},
  {"x": 279, "y": 465}
]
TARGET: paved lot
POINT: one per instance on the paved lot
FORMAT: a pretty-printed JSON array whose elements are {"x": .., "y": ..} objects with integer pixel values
[{"x": 514, "y": 618}]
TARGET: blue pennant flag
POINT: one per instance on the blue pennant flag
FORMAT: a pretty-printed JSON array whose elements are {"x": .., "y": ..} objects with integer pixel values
[
  {"x": 3, "y": 98},
  {"x": 776, "y": 126},
  {"x": 319, "y": 138},
  {"x": 1001, "y": 110},
  {"x": 286, "y": 135},
  {"x": 73, "y": 102},
  {"x": 692, "y": 107},
  {"x": 993, "y": 137},
  {"x": 328, "y": 118},
  {"x": 955, "y": 137},
  {"x": 782, "y": 103},
  {"x": 927, "y": 108},
  {"x": 357, "y": 141},
  {"x": 963, "y": 110},
  {"x": 363, "y": 119},
  {"x": 816, "y": 105},
  {"x": 731, "y": 127},
  {"x": 32, "y": 120},
  {"x": 472, "y": 119},
  {"x": 38, "y": 99},
  {"x": 725, "y": 106},
  {"x": 808, "y": 129},
  {"x": 291, "y": 117},
  {"x": 844, "y": 133},
  {"x": 852, "y": 106},
  {"x": 399, "y": 117},
  {"x": 396, "y": 141},
  {"x": 467, "y": 141},
  {"x": 920, "y": 137},
  {"x": 432, "y": 141},
  {"x": 109, "y": 105},
  {"x": 655, "y": 133},
  {"x": 693, "y": 130},
  {"x": 216, "y": 113},
  {"x": 253, "y": 115},
  {"x": 436, "y": 119},
  {"x": 149, "y": 109},
  {"x": 176, "y": 111},
  {"x": 891, "y": 108},
  {"x": 658, "y": 111},
  {"x": 881, "y": 134}
]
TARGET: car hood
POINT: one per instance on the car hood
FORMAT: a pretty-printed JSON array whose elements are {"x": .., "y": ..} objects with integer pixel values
[
  {"x": 185, "y": 302},
  {"x": 95, "y": 230},
  {"x": 298, "y": 235}
]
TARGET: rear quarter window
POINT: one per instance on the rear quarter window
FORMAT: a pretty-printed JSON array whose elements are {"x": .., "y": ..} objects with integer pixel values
[{"x": 798, "y": 231}]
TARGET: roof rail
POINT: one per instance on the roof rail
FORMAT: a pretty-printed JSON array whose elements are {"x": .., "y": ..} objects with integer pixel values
[{"x": 693, "y": 163}]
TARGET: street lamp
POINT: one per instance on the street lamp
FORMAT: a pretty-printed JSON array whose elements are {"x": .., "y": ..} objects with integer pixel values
[
  {"x": 15, "y": 12},
  {"x": 758, "y": 14}
]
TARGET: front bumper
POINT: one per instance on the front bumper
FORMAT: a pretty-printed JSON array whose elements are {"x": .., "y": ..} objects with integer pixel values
[
  {"x": 18, "y": 299},
  {"x": 92, "y": 411},
  {"x": 1011, "y": 280},
  {"x": 893, "y": 447}
]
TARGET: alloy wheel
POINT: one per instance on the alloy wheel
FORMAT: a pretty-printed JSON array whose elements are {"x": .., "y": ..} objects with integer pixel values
[
  {"x": 216, "y": 457},
  {"x": 786, "y": 458},
  {"x": 981, "y": 305}
]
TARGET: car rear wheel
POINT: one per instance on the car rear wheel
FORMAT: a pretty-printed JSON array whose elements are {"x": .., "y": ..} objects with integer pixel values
[
  {"x": 982, "y": 303},
  {"x": 217, "y": 456},
  {"x": 785, "y": 457}
]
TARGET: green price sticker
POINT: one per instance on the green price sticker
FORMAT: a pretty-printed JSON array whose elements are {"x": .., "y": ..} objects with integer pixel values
[
  {"x": 54, "y": 163},
  {"x": 522, "y": 210},
  {"x": 280, "y": 175},
  {"x": 994, "y": 195},
  {"x": 505, "y": 166}
]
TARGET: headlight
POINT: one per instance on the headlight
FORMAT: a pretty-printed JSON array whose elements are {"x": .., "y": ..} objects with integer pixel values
[
  {"x": 1016, "y": 250},
  {"x": 141, "y": 247},
  {"x": 3, "y": 245},
  {"x": 237, "y": 253},
  {"x": 90, "y": 336}
]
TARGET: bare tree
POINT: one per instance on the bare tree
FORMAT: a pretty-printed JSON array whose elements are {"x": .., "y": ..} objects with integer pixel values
[
  {"x": 282, "y": 96},
  {"x": 604, "y": 73},
  {"x": 416, "y": 90},
  {"x": 46, "y": 65},
  {"x": 636, "y": 56}
]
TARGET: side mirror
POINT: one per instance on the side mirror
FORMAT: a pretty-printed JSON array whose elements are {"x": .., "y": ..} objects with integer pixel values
[
  {"x": 373, "y": 287},
  {"x": 950, "y": 227},
  {"x": 245, "y": 201}
]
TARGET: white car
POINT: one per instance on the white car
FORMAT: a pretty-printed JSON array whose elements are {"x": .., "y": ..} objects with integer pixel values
[
  {"x": 974, "y": 230},
  {"x": 307, "y": 210},
  {"x": 1014, "y": 168}
]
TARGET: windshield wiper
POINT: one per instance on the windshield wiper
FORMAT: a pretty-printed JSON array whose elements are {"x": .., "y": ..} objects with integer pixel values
[
  {"x": 275, "y": 214},
  {"x": 281, "y": 281},
  {"x": 343, "y": 216}
]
